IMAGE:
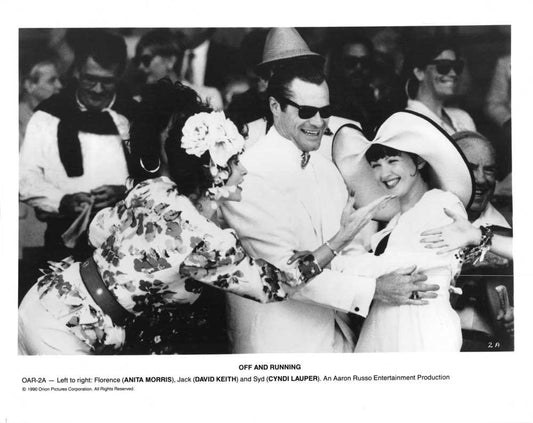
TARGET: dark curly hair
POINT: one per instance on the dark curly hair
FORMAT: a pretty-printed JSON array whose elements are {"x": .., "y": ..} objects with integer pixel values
[
  {"x": 165, "y": 108},
  {"x": 278, "y": 86}
]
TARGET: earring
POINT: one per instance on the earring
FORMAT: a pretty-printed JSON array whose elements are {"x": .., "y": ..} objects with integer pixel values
[
  {"x": 406, "y": 89},
  {"x": 150, "y": 170},
  {"x": 210, "y": 197}
]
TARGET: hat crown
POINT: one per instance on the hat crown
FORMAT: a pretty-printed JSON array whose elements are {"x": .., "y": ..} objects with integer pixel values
[{"x": 284, "y": 43}]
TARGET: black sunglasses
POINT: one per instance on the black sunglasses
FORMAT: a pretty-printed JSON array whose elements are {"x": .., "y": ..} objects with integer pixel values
[
  {"x": 307, "y": 112},
  {"x": 444, "y": 66},
  {"x": 145, "y": 60}
]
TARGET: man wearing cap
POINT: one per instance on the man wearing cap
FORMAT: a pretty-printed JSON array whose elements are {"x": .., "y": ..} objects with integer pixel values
[
  {"x": 292, "y": 200},
  {"x": 282, "y": 46}
]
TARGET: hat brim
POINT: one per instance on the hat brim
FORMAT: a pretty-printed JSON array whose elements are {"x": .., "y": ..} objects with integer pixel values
[
  {"x": 289, "y": 57},
  {"x": 409, "y": 132}
]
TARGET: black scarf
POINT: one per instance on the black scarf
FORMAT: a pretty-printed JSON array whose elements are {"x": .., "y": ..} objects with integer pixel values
[{"x": 72, "y": 120}]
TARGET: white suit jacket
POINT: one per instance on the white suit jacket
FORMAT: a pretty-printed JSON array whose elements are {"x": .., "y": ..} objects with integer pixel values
[{"x": 286, "y": 208}]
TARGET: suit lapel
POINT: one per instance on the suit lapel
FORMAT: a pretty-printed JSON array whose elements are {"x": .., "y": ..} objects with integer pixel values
[{"x": 299, "y": 185}]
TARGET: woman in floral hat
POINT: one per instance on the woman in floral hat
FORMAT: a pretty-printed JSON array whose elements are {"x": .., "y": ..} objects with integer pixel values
[
  {"x": 156, "y": 249},
  {"x": 415, "y": 160}
]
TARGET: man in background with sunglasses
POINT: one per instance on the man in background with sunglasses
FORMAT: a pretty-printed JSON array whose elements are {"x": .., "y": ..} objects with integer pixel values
[
  {"x": 292, "y": 200},
  {"x": 434, "y": 69},
  {"x": 159, "y": 54},
  {"x": 74, "y": 156},
  {"x": 351, "y": 69}
]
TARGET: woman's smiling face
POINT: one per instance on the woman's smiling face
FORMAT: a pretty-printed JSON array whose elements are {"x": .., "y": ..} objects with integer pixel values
[
  {"x": 441, "y": 86},
  {"x": 400, "y": 176}
]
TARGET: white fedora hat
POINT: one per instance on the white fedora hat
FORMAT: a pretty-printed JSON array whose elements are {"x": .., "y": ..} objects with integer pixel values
[
  {"x": 410, "y": 132},
  {"x": 285, "y": 43}
]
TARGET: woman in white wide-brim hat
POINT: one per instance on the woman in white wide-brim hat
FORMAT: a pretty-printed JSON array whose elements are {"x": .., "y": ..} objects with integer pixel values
[{"x": 415, "y": 160}]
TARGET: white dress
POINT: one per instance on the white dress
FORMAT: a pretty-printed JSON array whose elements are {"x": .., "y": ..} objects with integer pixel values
[{"x": 409, "y": 328}]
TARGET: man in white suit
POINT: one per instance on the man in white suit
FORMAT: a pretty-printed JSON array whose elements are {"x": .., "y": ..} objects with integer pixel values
[{"x": 292, "y": 199}]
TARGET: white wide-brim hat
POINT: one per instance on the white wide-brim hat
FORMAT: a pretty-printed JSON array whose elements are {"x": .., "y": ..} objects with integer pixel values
[
  {"x": 410, "y": 132},
  {"x": 285, "y": 43}
]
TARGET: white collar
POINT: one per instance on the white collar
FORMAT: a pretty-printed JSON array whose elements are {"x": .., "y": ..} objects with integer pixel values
[
  {"x": 491, "y": 216},
  {"x": 285, "y": 143},
  {"x": 285, "y": 147},
  {"x": 418, "y": 106}
]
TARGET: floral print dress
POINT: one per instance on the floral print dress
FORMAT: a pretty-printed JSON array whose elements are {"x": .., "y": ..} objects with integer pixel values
[{"x": 155, "y": 251}]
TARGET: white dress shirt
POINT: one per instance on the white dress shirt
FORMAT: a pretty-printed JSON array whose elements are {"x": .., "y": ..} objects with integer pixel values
[{"x": 198, "y": 63}]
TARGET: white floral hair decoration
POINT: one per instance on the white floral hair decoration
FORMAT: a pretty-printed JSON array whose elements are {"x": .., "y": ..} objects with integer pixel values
[{"x": 215, "y": 133}]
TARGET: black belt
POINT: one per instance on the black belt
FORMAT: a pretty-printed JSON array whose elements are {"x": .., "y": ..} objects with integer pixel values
[{"x": 101, "y": 295}]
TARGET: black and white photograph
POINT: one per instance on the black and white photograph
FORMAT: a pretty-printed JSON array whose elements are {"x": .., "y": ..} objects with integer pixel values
[
  {"x": 206, "y": 205},
  {"x": 360, "y": 211}
]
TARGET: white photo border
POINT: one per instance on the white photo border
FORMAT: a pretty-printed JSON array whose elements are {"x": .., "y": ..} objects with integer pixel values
[{"x": 483, "y": 387}]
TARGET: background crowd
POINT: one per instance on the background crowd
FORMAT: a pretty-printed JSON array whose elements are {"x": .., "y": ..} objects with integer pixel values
[{"x": 372, "y": 72}]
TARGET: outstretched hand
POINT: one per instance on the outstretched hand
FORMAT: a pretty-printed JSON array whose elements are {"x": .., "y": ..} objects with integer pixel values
[
  {"x": 352, "y": 220},
  {"x": 458, "y": 234}
]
